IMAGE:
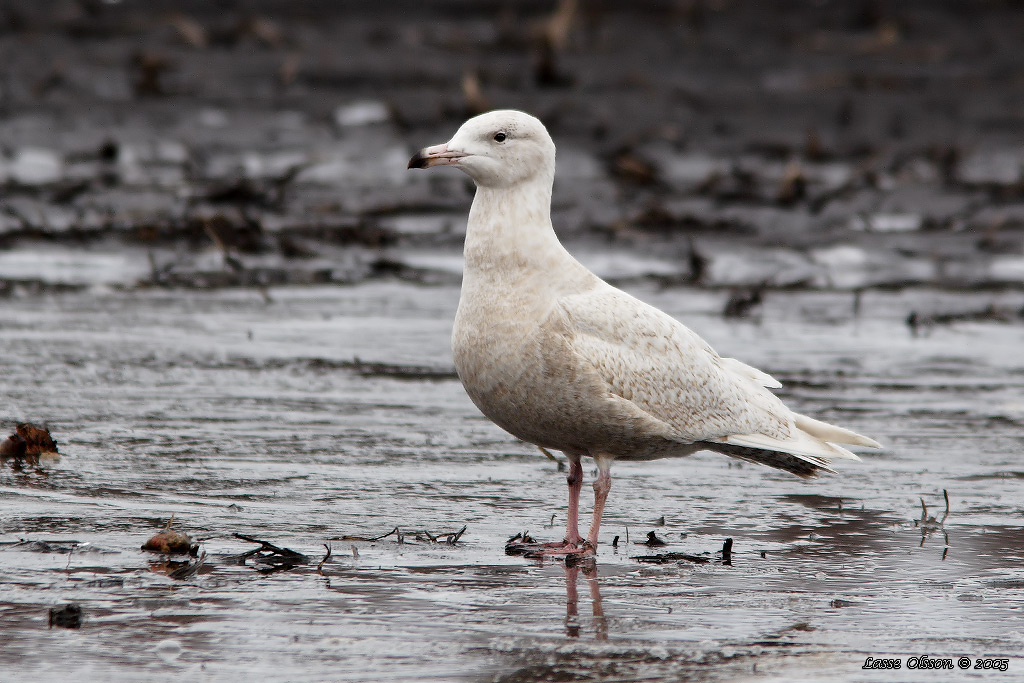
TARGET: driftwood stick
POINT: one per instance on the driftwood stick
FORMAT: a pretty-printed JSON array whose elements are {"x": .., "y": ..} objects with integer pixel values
[
  {"x": 320, "y": 567},
  {"x": 265, "y": 545}
]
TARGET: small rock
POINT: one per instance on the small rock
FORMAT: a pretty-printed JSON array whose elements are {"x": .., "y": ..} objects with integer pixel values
[
  {"x": 68, "y": 616},
  {"x": 653, "y": 540}
]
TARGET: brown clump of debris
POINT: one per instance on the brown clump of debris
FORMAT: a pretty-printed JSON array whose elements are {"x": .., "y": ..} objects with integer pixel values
[
  {"x": 12, "y": 447},
  {"x": 28, "y": 440},
  {"x": 37, "y": 439},
  {"x": 171, "y": 542}
]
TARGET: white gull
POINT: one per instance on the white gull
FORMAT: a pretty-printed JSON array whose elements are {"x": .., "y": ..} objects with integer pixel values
[{"x": 561, "y": 359}]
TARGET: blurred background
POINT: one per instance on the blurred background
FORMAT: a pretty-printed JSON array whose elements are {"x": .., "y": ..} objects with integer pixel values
[
  {"x": 252, "y": 143},
  {"x": 231, "y": 304}
]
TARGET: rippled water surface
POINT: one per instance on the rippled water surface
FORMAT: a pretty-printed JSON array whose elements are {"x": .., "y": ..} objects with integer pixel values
[
  {"x": 305, "y": 416},
  {"x": 230, "y": 301}
]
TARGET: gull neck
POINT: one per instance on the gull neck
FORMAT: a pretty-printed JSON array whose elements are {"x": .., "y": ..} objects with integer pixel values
[{"x": 512, "y": 224}]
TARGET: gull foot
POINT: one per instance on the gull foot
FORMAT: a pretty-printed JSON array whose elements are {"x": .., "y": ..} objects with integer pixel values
[
  {"x": 525, "y": 545},
  {"x": 565, "y": 549},
  {"x": 523, "y": 542},
  {"x": 530, "y": 546}
]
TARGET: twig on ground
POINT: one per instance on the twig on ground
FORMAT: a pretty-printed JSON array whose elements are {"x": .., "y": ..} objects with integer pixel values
[
  {"x": 929, "y": 524},
  {"x": 368, "y": 539},
  {"x": 449, "y": 537},
  {"x": 320, "y": 567},
  {"x": 665, "y": 558},
  {"x": 276, "y": 557}
]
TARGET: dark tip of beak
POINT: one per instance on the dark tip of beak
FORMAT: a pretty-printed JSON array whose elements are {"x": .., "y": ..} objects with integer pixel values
[{"x": 418, "y": 160}]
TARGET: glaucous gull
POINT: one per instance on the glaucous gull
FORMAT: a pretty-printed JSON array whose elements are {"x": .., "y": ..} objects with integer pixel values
[{"x": 561, "y": 359}]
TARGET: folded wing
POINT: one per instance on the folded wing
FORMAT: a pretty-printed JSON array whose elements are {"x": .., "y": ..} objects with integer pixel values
[{"x": 666, "y": 370}]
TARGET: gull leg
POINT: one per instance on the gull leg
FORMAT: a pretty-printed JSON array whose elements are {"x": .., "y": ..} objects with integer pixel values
[
  {"x": 575, "y": 481},
  {"x": 573, "y": 543},
  {"x": 602, "y": 485}
]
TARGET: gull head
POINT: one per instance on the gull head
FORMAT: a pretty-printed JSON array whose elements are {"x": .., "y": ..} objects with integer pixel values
[{"x": 498, "y": 149}]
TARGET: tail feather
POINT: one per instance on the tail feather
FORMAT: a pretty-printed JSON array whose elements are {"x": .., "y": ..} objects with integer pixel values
[
  {"x": 809, "y": 449},
  {"x": 799, "y": 443},
  {"x": 807, "y": 467}
]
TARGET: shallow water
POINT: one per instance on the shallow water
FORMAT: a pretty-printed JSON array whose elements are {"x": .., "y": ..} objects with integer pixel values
[
  {"x": 246, "y": 412},
  {"x": 198, "y": 265}
]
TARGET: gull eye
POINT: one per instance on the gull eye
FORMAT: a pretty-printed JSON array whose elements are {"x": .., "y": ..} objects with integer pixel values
[{"x": 500, "y": 136}]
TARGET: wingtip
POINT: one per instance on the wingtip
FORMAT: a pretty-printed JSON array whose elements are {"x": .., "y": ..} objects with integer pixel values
[
  {"x": 833, "y": 434},
  {"x": 840, "y": 453},
  {"x": 860, "y": 440}
]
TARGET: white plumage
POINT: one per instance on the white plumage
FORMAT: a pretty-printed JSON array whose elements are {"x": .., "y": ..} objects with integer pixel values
[{"x": 559, "y": 358}]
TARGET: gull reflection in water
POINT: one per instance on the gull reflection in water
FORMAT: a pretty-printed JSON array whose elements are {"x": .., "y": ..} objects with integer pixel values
[{"x": 572, "y": 598}]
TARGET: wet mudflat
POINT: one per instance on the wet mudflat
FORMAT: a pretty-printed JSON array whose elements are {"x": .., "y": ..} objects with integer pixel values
[
  {"x": 248, "y": 412},
  {"x": 230, "y": 302}
]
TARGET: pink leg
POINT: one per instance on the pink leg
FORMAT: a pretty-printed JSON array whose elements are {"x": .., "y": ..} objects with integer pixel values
[
  {"x": 602, "y": 485},
  {"x": 572, "y": 543},
  {"x": 575, "y": 481}
]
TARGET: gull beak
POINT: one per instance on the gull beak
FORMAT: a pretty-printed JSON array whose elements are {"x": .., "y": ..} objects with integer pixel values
[{"x": 438, "y": 155}]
